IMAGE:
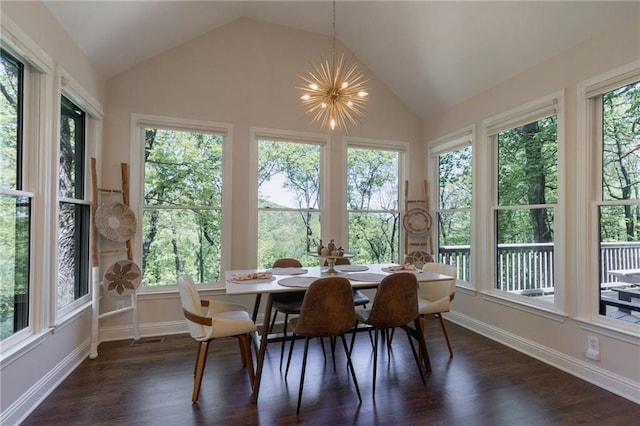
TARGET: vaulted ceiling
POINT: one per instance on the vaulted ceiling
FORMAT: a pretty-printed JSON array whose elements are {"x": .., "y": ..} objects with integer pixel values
[{"x": 431, "y": 54}]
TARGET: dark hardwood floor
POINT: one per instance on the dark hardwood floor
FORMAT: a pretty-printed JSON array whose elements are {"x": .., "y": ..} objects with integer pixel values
[{"x": 150, "y": 383}]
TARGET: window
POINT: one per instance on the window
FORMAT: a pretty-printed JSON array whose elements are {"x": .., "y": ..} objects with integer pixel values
[
  {"x": 619, "y": 203},
  {"x": 373, "y": 182},
  {"x": 288, "y": 200},
  {"x": 526, "y": 199},
  {"x": 15, "y": 203},
  {"x": 452, "y": 171},
  {"x": 182, "y": 203},
  {"x": 74, "y": 209}
]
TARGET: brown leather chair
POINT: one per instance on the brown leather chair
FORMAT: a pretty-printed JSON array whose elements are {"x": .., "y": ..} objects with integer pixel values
[
  {"x": 286, "y": 303},
  {"x": 394, "y": 305},
  {"x": 327, "y": 311}
]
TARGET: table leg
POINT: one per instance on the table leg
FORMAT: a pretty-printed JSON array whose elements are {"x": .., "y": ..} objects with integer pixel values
[
  {"x": 264, "y": 335},
  {"x": 256, "y": 307}
]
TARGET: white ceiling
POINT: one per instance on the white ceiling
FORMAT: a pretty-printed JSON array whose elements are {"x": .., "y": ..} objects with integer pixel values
[{"x": 431, "y": 54}]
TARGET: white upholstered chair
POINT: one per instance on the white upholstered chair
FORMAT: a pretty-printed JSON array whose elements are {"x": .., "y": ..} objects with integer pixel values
[
  {"x": 437, "y": 297},
  {"x": 208, "y": 320}
]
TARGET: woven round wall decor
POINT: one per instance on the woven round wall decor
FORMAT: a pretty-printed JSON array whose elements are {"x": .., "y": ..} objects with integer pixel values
[
  {"x": 417, "y": 221},
  {"x": 116, "y": 221},
  {"x": 122, "y": 278}
]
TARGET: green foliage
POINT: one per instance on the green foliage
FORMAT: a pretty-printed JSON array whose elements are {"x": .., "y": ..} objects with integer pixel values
[
  {"x": 182, "y": 221},
  {"x": 528, "y": 176},
  {"x": 621, "y": 163}
]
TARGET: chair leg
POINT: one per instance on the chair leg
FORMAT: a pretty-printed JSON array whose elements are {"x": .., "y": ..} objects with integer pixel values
[
  {"x": 201, "y": 360},
  {"x": 289, "y": 358},
  {"x": 247, "y": 358},
  {"x": 304, "y": 367},
  {"x": 273, "y": 320},
  {"x": 446, "y": 335},
  {"x": 375, "y": 361},
  {"x": 415, "y": 355},
  {"x": 353, "y": 373},
  {"x": 423, "y": 345},
  {"x": 284, "y": 333}
]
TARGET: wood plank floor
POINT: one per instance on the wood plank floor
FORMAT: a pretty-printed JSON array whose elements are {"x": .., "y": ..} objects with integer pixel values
[{"x": 485, "y": 383}]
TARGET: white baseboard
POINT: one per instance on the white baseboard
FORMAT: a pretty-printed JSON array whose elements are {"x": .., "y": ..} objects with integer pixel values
[
  {"x": 600, "y": 377},
  {"x": 30, "y": 400}
]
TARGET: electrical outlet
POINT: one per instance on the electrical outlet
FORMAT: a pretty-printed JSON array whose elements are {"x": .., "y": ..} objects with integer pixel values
[
  {"x": 593, "y": 348},
  {"x": 120, "y": 304}
]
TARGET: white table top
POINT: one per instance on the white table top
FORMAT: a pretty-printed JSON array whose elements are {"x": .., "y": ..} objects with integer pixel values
[{"x": 237, "y": 288}]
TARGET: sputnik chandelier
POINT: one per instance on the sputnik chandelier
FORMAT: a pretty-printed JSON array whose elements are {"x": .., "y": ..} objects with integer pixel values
[{"x": 334, "y": 94}]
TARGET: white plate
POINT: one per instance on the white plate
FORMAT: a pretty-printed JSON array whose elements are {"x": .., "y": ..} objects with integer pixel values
[
  {"x": 351, "y": 268},
  {"x": 256, "y": 281},
  {"x": 287, "y": 271},
  {"x": 297, "y": 281}
]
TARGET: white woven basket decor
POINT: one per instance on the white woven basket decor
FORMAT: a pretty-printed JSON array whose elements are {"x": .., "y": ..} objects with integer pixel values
[{"x": 116, "y": 221}]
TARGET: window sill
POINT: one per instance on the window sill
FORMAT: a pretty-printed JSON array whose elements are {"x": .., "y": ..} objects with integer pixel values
[
  {"x": 16, "y": 351},
  {"x": 516, "y": 302},
  {"x": 615, "y": 329},
  {"x": 170, "y": 291}
]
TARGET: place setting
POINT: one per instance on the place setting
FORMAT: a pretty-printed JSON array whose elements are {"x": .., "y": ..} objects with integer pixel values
[{"x": 252, "y": 277}]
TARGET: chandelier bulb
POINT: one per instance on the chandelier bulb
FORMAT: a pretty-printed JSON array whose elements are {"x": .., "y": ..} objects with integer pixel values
[
  {"x": 362, "y": 94},
  {"x": 313, "y": 86},
  {"x": 305, "y": 97},
  {"x": 345, "y": 84},
  {"x": 323, "y": 105},
  {"x": 332, "y": 123}
]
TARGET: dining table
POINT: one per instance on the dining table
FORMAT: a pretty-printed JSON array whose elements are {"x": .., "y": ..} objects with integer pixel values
[{"x": 287, "y": 280}]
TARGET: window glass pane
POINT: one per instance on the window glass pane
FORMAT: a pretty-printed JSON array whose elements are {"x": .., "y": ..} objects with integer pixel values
[
  {"x": 454, "y": 241},
  {"x": 284, "y": 234},
  {"x": 182, "y": 216},
  {"x": 11, "y": 75},
  {"x": 181, "y": 240},
  {"x": 183, "y": 168},
  {"x": 528, "y": 165},
  {"x": 288, "y": 175},
  {"x": 73, "y": 252},
  {"x": 288, "y": 179},
  {"x": 73, "y": 218},
  {"x": 524, "y": 261},
  {"x": 619, "y": 223},
  {"x": 621, "y": 143},
  {"x": 372, "y": 201},
  {"x": 455, "y": 179},
  {"x": 14, "y": 264},
  {"x": 373, "y": 237},
  {"x": 372, "y": 179},
  {"x": 71, "y": 178}
]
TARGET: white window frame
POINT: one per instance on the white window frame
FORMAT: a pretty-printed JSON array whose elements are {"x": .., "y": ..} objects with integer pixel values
[
  {"x": 402, "y": 148},
  {"x": 490, "y": 127},
  {"x": 67, "y": 86},
  {"x": 450, "y": 142},
  {"x": 264, "y": 133},
  {"x": 589, "y": 199},
  {"x": 37, "y": 110},
  {"x": 136, "y": 174}
]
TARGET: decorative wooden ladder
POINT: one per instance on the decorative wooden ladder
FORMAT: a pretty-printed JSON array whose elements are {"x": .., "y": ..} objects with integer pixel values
[
  {"x": 95, "y": 260},
  {"x": 418, "y": 248}
]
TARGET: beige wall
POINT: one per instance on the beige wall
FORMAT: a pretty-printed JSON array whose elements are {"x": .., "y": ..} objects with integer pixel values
[{"x": 562, "y": 343}]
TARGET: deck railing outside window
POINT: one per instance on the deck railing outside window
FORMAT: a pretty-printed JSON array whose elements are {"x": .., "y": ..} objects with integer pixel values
[{"x": 525, "y": 267}]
